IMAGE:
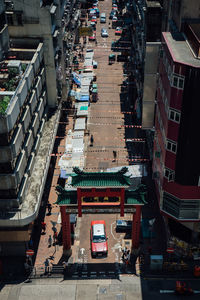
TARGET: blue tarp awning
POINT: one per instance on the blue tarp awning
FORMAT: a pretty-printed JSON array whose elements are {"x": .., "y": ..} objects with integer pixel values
[
  {"x": 84, "y": 98},
  {"x": 76, "y": 78}
]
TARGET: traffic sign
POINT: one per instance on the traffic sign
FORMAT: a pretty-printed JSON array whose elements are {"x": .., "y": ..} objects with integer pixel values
[
  {"x": 29, "y": 252},
  {"x": 170, "y": 250}
]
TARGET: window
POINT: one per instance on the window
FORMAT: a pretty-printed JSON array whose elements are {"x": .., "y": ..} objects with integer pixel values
[
  {"x": 171, "y": 146},
  {"x": 174, "y": 115},
  {"x": 169, "y": 174},
  {"x": 177, "y": 81}
]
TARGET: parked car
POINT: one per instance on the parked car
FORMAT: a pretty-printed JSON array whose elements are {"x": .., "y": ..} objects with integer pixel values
[
  {"x": 99, "y": 244},
  {"x": 104, "y": 32},
  {"x": 93, "y": 25},
  {"x": 112, "y": 14},
  {"x": 93, "y": 36},
  {"x": 103, "y": 18},
  {"x": 123, "y": 225},
  {"x": 114, "y": 7},
  {"x": 118, "y": 31}
]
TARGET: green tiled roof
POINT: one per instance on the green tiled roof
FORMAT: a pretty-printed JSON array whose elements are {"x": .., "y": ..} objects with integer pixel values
[
  {"x": 137, "y": 196},
  {"x": 100, "y": 179},
  {"x": 67, "y": 197}
]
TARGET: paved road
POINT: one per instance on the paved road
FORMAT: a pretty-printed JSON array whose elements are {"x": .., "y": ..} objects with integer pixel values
[{"x": 50, "y": 289}]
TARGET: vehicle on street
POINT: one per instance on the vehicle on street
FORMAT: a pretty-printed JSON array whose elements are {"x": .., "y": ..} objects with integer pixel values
[
  {"x": 112, "y": 14},
  {"x": 123, "y": 225},
  {"x": 103, "y": 18},
  {"x": 118, "y": 31},
  {"x": 111, "y": 59},
  {"x": 99, "y": 244},
  {"x": 114, "y": 18},
  {"x": 93, "y": 25},
  {"x": 104, "y": 32},
  {"x": 93, "y": 36},
  {"x": 114, "y": 7},
  {"x": 97, "y": 12},
  {"x": 94, "y": 19}
]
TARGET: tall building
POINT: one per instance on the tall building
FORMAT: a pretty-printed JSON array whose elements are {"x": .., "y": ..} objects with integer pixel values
[
  {"x": 4, "y": 39},
  {"x": 32, "y": 81},
  {"x": 176, "y": 162}
]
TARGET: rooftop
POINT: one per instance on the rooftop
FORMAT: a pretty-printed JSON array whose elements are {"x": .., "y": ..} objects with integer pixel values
[
  {"x": 180, "y": 51},
  {"x": 100, "y": 179}
]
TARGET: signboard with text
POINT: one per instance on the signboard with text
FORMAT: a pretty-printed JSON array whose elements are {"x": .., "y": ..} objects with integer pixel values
[{"x": 99, "y": 210}]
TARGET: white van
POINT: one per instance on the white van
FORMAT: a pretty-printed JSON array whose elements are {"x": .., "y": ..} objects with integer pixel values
[{"x": 103, "y": 18}]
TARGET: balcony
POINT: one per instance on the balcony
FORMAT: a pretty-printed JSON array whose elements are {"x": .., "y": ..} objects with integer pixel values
[{"x": 17, "y": 74}]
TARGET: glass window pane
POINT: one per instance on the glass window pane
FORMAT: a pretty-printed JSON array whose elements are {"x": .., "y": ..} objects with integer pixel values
[
  {"x": 173, "y": 147},
  {"x": 177, "y": 117},
  {"x": 169, "y": 145},
  {"x": 175, "y": 81},
  {"x": 181, "y": 83},
  {"x": 172, "y": 115}
]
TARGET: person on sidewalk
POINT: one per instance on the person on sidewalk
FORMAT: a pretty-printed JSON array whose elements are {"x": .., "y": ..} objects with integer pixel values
[
  {"x": 65, "y": 268},
  {"x": 114, "y": 156},
  {"x": 49, "y": 207},
  {"x": 91, "y": 140},
  {"x": 55, "y": 238},
  {"x": 43, "y": 226},
  {"x": 49, "y": 241},
  {"x": 47, "y": 266}
]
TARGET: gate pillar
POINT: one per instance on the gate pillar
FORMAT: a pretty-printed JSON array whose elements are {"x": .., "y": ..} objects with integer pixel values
[
  {"x": 79, "y": 202},
  {"x": 122, "y": 203},
  {"x": 136, "y": 228},
  {"x": 66, "y": 229}
]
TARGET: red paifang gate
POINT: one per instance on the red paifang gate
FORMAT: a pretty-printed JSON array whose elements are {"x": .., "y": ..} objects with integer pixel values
[{"x": 100, "y": 192}]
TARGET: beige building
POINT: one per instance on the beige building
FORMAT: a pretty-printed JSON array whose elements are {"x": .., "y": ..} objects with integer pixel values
[{"x": 32, "y": 76}]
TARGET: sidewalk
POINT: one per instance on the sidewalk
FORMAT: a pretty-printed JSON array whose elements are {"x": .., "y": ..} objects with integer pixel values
[{"x": 55, "y": 252}]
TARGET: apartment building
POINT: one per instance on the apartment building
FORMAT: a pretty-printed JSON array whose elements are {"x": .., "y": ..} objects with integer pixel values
[
  {"x": 32, "y": 81},
  {"x": 176, "y": 162}
]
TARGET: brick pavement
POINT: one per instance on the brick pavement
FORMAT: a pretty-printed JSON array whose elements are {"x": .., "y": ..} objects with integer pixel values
[{"x": 107, "y": 138}]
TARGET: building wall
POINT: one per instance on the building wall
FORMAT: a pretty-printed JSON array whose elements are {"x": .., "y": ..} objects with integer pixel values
[
  {"x": 176, "y": 162},
  {"x": 19, "y": 129},
  {"x": 38, "y": 22}
]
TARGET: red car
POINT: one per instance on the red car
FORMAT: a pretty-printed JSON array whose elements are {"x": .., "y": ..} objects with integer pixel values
[
  {"x": 99, "y": 244},
  {"x": 118, "y": 31},
  {"x": 92, "y": 37}
]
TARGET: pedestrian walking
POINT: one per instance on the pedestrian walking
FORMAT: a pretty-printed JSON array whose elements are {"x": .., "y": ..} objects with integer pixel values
[
  {"x": 114, "y": 155},
  {"x": 96, "y": 43},
  {"x": 124, "y": 255},
  {"x": 54, "y": 229},
  {"x": 49, "y": 207},
  {"x": 30, "y": 243},
  {"x": 49, "y": 241},
  {"x": 43, "y": 226},
  {"x": 27, "y": 267},
  {"x": 91, "y": 141},
  {"x": 55, "y": 238},
  {"x": 46, "y": 265},
  {"x": 65, "y": 267}
]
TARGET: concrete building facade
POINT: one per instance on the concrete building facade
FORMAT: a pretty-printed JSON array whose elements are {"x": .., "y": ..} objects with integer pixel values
[{"x": 32, "y": 81}]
